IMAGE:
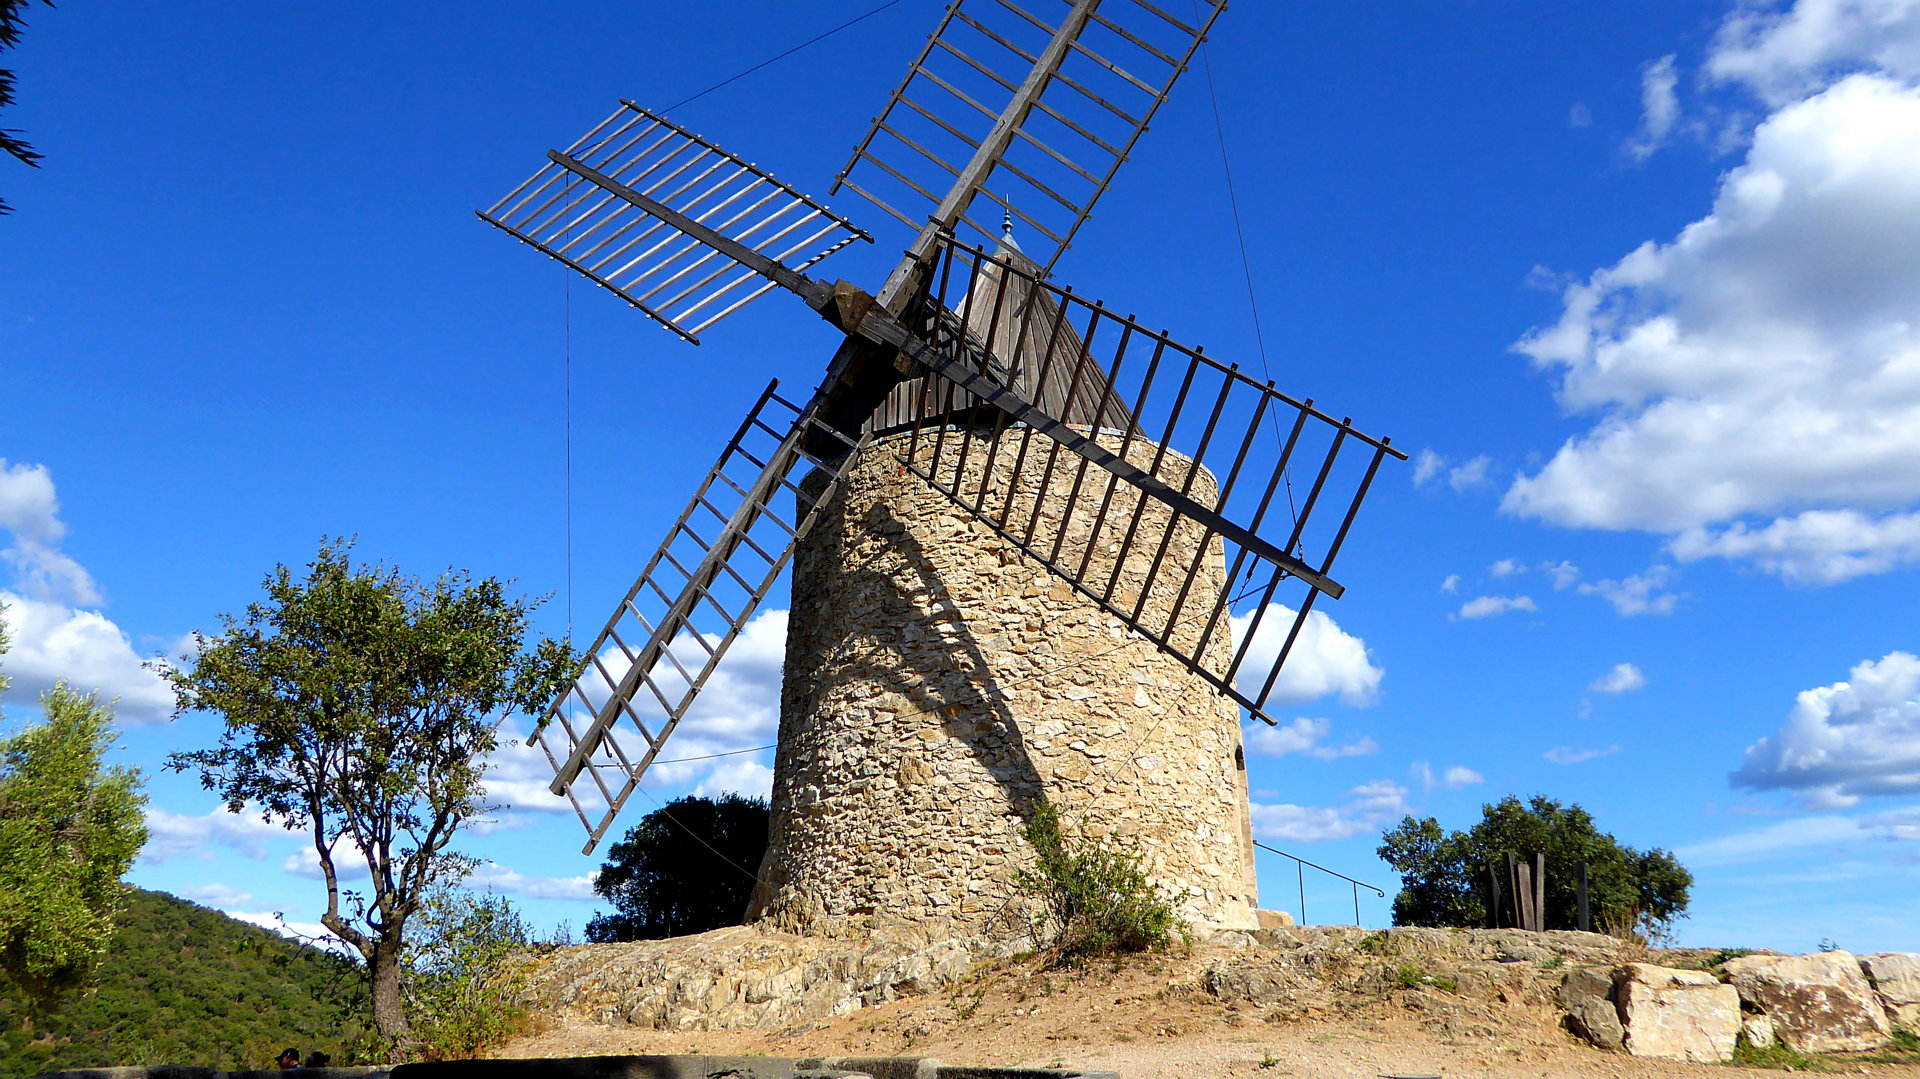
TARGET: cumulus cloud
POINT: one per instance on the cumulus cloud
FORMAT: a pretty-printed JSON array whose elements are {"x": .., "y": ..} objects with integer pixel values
[
  {"x": 52, "y": 641},
  {"x": 1623, "y": 678},
  {"x": 1303, "y": 736},
  {"x": 53, "y": 637},
  {"x": 1570, "y": 755},
  {"x": 176, "y": 835},
  {"x": 1488, "y": 606},
  {"x": 1814, "y": 547},
  {"x": 1451, "y": 584},
  {"x": 1453, "y": 778},
  {"x": 737, "y": 712},
  {"x": 1369, "y": 807},
  {"x": 1506, "y": 567},
  {"x": 1641, "y": 593},
  {"x": 1783, "y": 55},
  {"x": 1754, "y": 382},
  {"x": 1326, "y": 660},
  {"x": 1846, "y": 741},
  {"x": 748, "y": 777},
  {"x": 216, "y": 895},
  {"x": 1563, "y": 574}
]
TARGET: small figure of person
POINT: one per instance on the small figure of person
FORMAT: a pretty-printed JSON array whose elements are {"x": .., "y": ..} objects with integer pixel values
[
  {"x": 317, "y": 1059},
  {"x": 289, "y": 1060}
]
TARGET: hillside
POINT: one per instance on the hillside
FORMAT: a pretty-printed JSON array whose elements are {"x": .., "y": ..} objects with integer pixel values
[{"x": 187, "y": 985}]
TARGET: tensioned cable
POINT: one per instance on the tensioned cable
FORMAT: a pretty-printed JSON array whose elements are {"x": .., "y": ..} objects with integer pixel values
[
  {"x": 810, "y": 41},
  {"x": 1240, "y": 233}
]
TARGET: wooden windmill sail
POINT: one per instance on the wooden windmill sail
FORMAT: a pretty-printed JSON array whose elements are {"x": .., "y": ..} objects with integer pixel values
[{"x": 970, "y": 359}]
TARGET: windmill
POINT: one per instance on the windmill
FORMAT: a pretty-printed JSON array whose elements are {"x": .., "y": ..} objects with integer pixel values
[{"x": 983, "y": 438}]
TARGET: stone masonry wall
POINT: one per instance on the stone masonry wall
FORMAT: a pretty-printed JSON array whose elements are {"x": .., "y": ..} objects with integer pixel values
[{"x": 940, "y": 684}]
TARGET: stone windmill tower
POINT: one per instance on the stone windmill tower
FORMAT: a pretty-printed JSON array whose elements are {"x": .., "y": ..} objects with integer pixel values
[{"x": 1037, "y": 546}]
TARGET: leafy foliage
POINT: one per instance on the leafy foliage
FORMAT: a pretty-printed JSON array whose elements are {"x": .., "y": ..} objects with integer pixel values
[
  {"x": 69, "y": 827},
  {"x": 1443, "y": 875},
  {"x": 686, "y": 867},
  {"x": 11, "y": 23},
  {"x": 461, "y": 976},
  {"x": 359, "y": 705},
  {"x": 186, "y": 985},
  {"x": 1095, "y": 900}
]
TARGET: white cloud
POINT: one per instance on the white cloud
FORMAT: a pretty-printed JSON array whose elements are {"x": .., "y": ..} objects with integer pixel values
[
  {"x": 1325, "y": 660},
  {"x": 1814, "y": 547},
  {"x": 1846, "y": 741},
  {"x": 1659, "y": 108},
  {"x": 312, "y": 933},
  {"x": 740, "y": 776},
  {"x": 1564, "y": 575},
  {"x": 1302, "y": 736},
  {"x": 348, "y": 864},
  {"x": 1640, "y": 593},
  {"x": 501, "y": 879},
  {"x": 737, "y": 709},
  {"x": 1901, "y": 825},
  {"x": 1369, "y": 806},
  {"x": 1506, "y": 567},
  {"x": 1623, "y": 678},
  {"x": 1451, "y": 584},
  {"x": 1453, "y": 778},
  {"x": 52, "y": 637},
  {"x": 1765, "y": 362},
  {"x": 216, "y": 895},
  {"x": 1570, "y": 755},
  {"x": 1465, "y": 476},
  {"x": 1784, "y": 55},
  {"x": 51, "y": 641},
  {"x": 1771, "y": 840},
  {"x": 174, "y": 835},
  {"x": 1488, "y": 606}
]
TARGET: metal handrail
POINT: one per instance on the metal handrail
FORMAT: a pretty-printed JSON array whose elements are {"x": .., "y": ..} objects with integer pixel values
[{"x": 1300, "y": 872}]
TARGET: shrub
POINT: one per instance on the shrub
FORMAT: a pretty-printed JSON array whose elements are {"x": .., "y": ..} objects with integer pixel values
[
  {"x": 461, "y": 976},
  {"x": 1095, "y": 899}
]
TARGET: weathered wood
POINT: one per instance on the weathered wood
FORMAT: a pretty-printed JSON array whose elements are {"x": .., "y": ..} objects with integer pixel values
[
  {"x": 1539, "y": 893},
  {"x": 1585, "y": 925}
]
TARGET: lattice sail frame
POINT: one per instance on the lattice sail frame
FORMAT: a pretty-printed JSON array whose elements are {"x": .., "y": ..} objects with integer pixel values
[
  {"x": 1246, "y": 435},
  {"x": 568, "y": 210},
  {"x": 962, "y": 116},
  {"x": 635, "y": 668}
]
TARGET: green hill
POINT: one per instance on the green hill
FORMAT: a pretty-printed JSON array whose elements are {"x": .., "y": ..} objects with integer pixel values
[{"x": 186, "y": 985}]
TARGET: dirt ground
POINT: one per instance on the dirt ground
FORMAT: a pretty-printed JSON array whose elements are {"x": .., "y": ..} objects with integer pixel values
[{"x": 1149, "y": 1019}]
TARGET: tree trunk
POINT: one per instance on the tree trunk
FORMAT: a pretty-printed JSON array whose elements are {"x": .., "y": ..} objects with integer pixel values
[{"x": 389, "y": 1010}]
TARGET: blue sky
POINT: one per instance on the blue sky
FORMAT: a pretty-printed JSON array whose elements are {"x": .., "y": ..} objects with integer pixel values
[{"x": 1637, "y": 284}]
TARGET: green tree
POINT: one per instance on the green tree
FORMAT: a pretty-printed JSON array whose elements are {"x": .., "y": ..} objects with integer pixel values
[
  {"x": 461, "y": 976},
  {"x": 69, "y": 828},
  {"x": 360, "y": 705},
  {"x": 11, "y": 23},
  {"x": 1443, "y": 876},
  {"x": 687, "y": 867}
]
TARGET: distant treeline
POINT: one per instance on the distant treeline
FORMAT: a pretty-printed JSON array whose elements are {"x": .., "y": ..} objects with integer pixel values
[{"x": 182, "y": 984}]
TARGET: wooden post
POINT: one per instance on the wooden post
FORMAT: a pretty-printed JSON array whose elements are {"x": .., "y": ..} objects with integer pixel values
[
  {"x": 1513, "y": 891},
  {"x": 1523, "y": 893},
  {"x": 1585, "y": 925},
  {"x": 1496, "y": 896},
  {"x": 1540, "y": 893}
]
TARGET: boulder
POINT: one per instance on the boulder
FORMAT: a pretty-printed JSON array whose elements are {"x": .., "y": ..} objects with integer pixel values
[
  {"x": 1896, "y": 977},
  {"x": 1677, "y": 1014},
  {"x": 1587, "y": 995},
  {"x": 1273, "y": 919},
  {"x": 1818, "y": 1003},
  {"x": 1758, "y": 1029}
]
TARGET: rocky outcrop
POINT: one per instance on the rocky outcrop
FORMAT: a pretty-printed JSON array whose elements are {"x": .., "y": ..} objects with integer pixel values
[
  {"x": 1818, "y": 1003},
  {"x": 1896, "y": 978},
  {"x": 741, "y": 977},
  {"x": 1677, "y": 1014},
  {"x": 1593, "y": 1013}
]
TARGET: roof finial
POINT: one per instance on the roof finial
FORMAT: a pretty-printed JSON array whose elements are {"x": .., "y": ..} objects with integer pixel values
[{"x": 1007, "y": 242}]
